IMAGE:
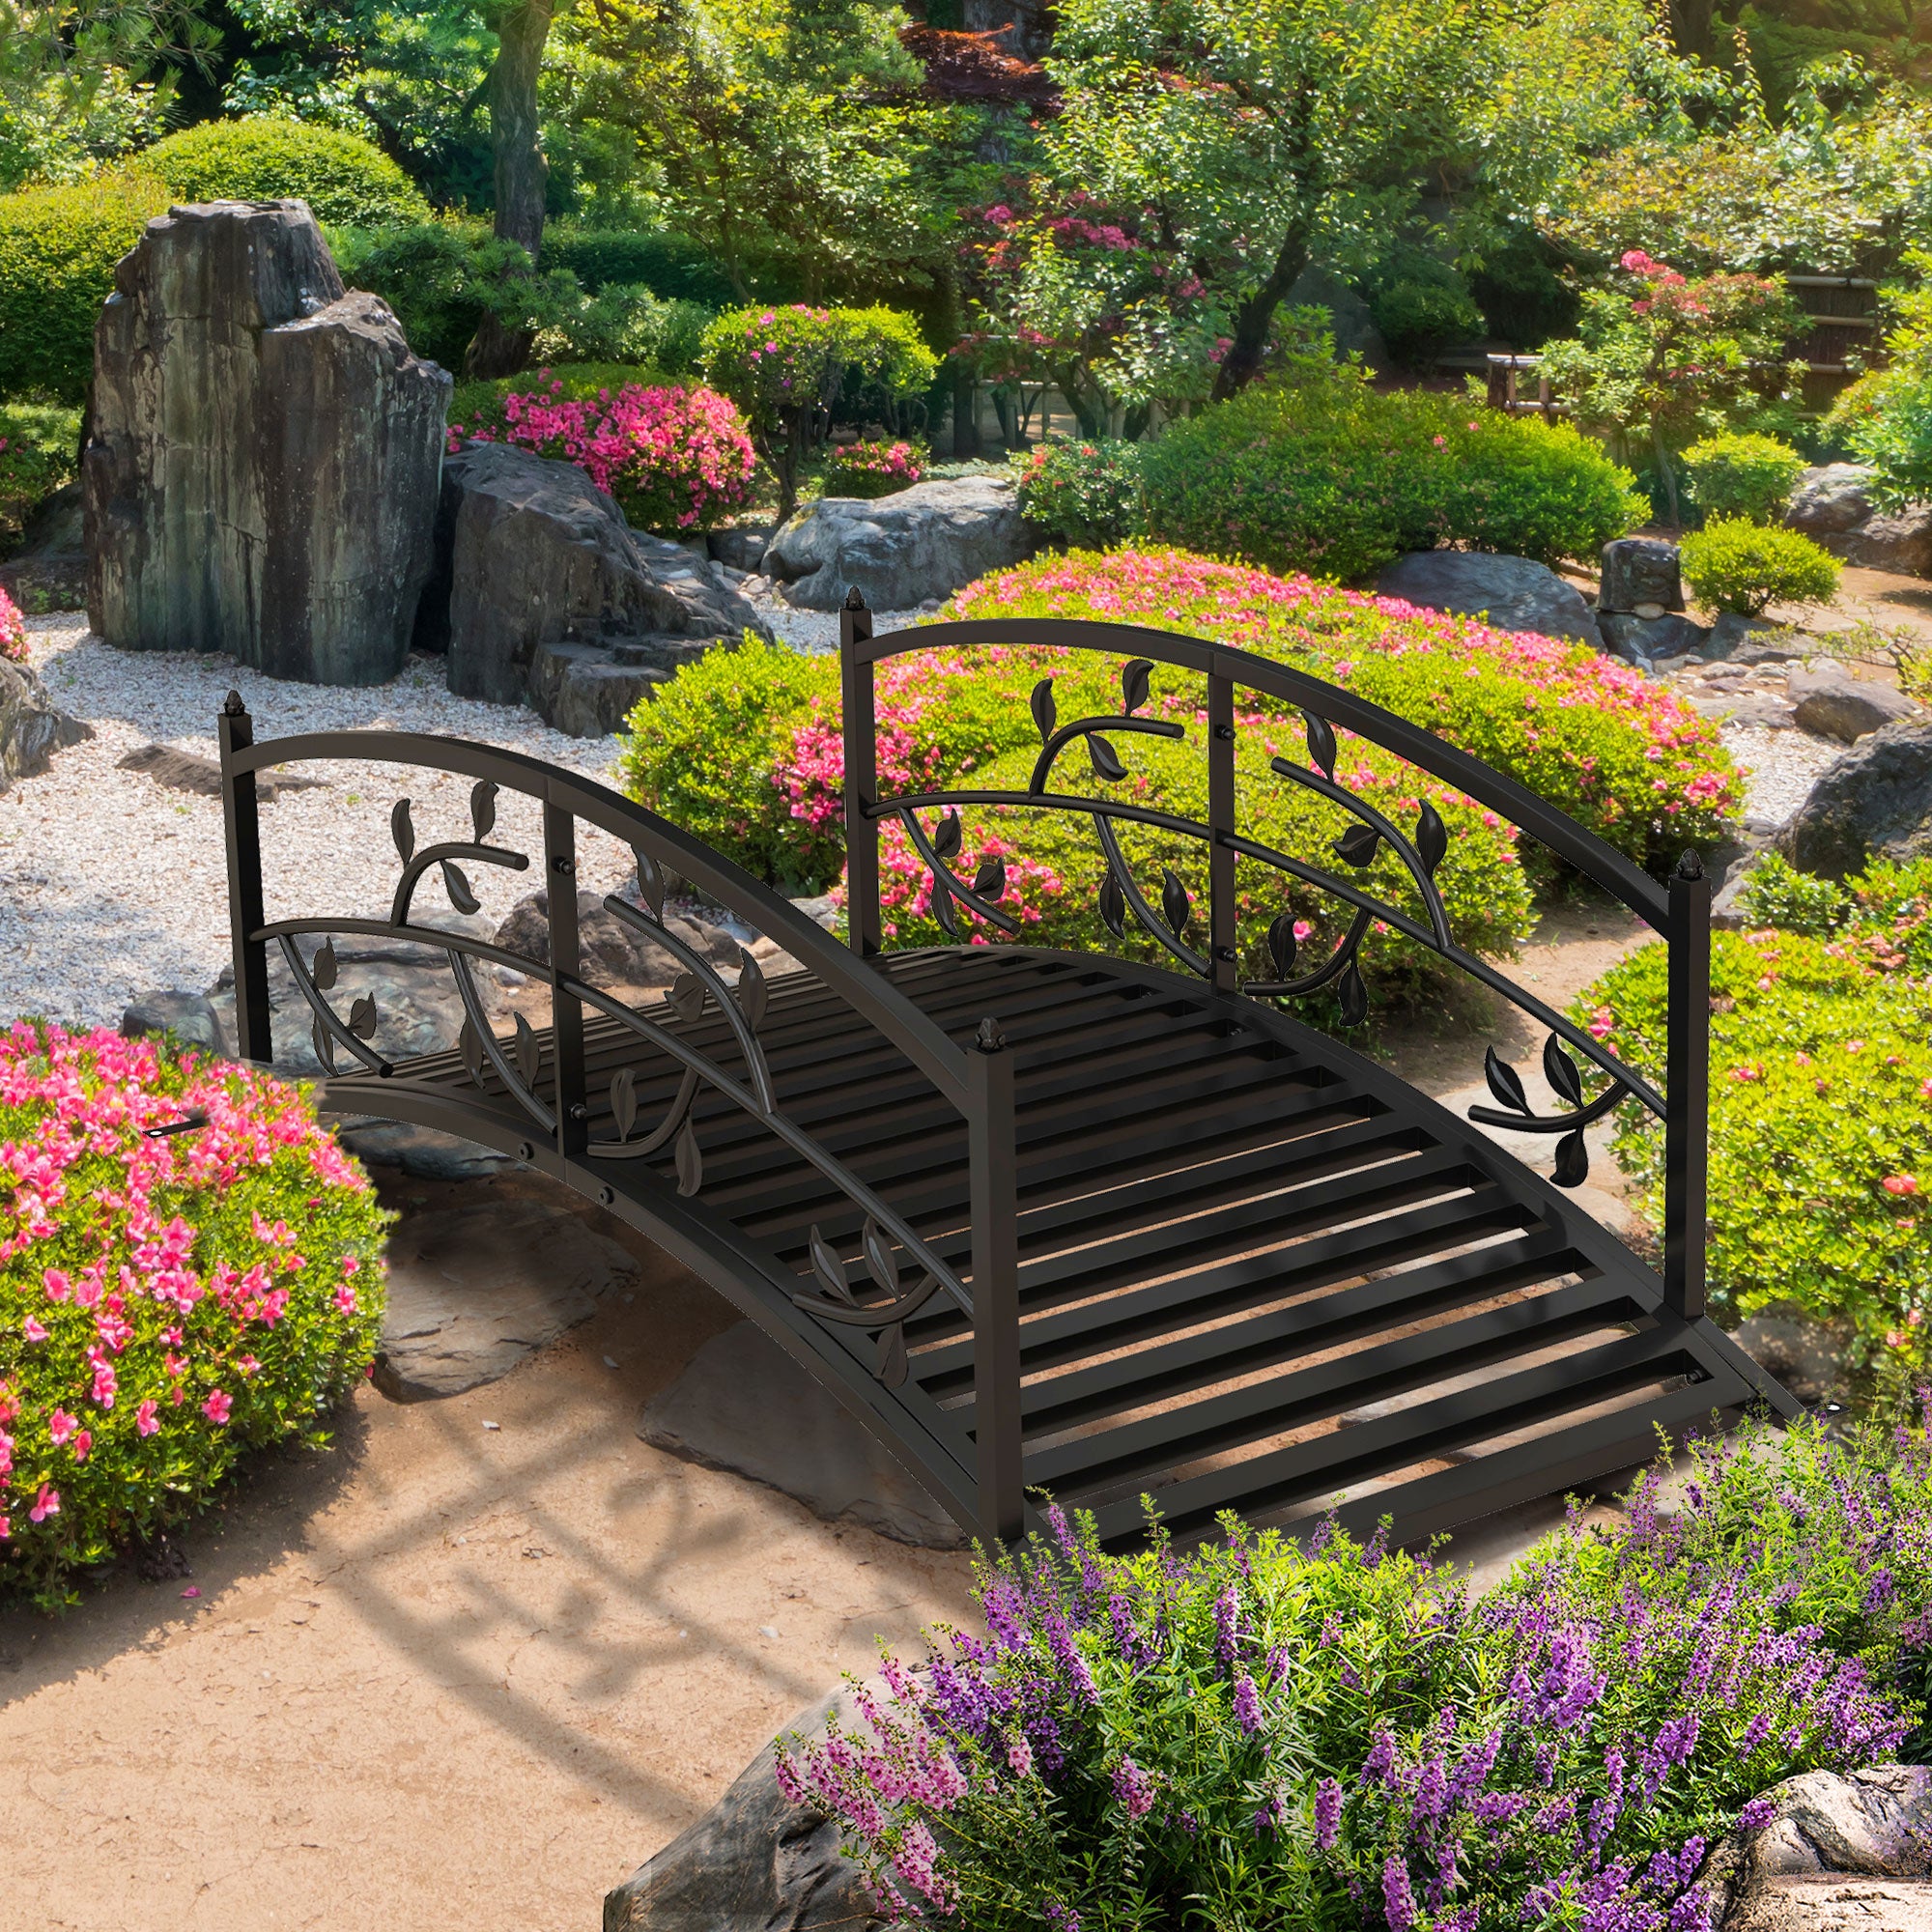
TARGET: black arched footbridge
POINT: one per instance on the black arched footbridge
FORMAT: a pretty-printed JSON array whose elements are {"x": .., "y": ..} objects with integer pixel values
[{"x": 1060, "y": 1222}]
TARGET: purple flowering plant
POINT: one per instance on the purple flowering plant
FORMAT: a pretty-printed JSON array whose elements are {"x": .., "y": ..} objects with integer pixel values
[{"x": 1265, "y": 1733}]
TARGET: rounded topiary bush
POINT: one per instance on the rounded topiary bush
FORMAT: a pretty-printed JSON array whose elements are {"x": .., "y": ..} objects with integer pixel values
[
  {"x": 58, "y": 247},
  {"x": 1329, "y": 476},
  {"x": 1086, "y": 494},
  {"x": 165, "y": 1301},
  {"x": 1739, "y": 474},
  {"x": 1738, "y": 566},
  {"x": 342, "y": 177}
]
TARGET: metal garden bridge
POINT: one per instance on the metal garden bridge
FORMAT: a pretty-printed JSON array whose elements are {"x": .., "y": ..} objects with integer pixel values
[{"x": 1057, "y": 1222}]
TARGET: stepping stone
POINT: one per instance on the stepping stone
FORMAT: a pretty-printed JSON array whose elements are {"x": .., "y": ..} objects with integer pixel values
[
  {"x": 476, "y": 1290},
  {"x": 745, "y": 1405}
]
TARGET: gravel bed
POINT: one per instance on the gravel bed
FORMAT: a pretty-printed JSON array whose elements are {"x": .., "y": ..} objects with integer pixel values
[
  {"x": 1780, "y": 768},
  {"x": 816, "y": 631}
]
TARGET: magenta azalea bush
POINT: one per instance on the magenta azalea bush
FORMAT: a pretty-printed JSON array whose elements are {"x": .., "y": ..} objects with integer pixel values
[
  {"x": 1283, "y": 1737},
  {"x": 165, "y": 1301},
  {"x": 13, "y": 631},
  {"x": 674, "y": 459},
  {"x": 874, "y": 469}
]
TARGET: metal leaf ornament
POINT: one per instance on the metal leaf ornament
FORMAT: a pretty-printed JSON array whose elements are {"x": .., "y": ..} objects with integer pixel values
[
  {"x": 325, "y": 1046},
  {"x": 1565, "y": 1078},
  {"x": 753, "y": 990},
  {"x": 948, "y": 835},
  {"x": 1504, "y": 1083},
  {"x": 1320, "y": 742},
  {"x": 990, "y": 882},
  {"x": 624, "y": 1102},
  {"x": 650, "y": 881},
  {"x": 1134, "y": 676},
  {"x": 322, "y": 968},
  {"x": 880, "y": 1257},
  {"x": 1113, "y": 905},
  {"x": 831, "y": 1270},
  {"x": 1105, "y": 760},
  {"x": 1432, "y": 839},
  {"x": 1354, "y": 996},
  {"x": 893, "y": 1368},
  {"x": 1045, "y": 712},
  {"x": 687, "y": 996},
  {"x": 1176, "y": 907},
  {"x": 690, "y": 1162},
  {"x": 470, "y": 1041},
  {"x": 1282, "y": 944},
  {"x": 1357, "y": 846},
  {"x": 529, "y": 1055},
  {"x": 1573, "y": 1160},
  {"x": 401, "y": 829},
  {"x": 942, "y": 908},
  {"x": 483, "y": 808},
  {"x": 456, "y": 885},
  {"x": 362, "y": 1018}
]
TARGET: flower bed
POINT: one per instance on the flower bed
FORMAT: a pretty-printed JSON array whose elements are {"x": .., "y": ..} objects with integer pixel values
[
  {"x": 1260, "y": 1735},
  {"x": 164, "y": 1303},
  {"x": 13, "y": 631},
  {"x": 874, "y": 469},
  {"x": 673, "y": 458},
  {"x": 1821, "y": 1101}
]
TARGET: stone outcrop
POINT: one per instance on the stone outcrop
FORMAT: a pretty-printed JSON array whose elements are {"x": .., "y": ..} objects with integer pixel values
[
  {"x": 1830, "y": 503},
  {"x": 742, "y": 1404},
  {"x": 1509, "y": 592},
  {"x": 900, "y": 550},
  {"x": 1639, "y": 572},
  {"x": 1839, "y": 1851},
  {"x": 261, "y": 477},
  {"x": 613, "y": 953},
  {"x": 543, "y": 595},
  {"x": 1874, "y": 802},
  {"x": 1644, "y": 640},
  {"x": 754, "y": 1862},
  {"x": 1835, "y": 704},
  {"x": 32, "y": 728}
]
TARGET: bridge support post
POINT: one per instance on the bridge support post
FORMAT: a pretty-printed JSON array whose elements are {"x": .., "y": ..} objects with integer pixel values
[
  {"x": 254, "y": 1033},
  {"x": 1687, "y": 1098},
  {"x": 1222, "y": 956},
  {"x": 992, "y": 1144},
  {"x": 566, "y": 1015},
  {"x": 861, "y": 778}
]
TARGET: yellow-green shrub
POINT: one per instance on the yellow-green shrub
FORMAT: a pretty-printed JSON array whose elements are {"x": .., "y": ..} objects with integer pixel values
[{"x": 342, "y": 177}]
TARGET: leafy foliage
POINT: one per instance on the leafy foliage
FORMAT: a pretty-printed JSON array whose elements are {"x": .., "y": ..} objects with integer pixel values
[
  {"x": 167, "y": 1301},
  {"x": 873, "y": 469},
  {"x": 1086, "y": 494},
  {"x": 1264, "y": 1734},
  {"x": 1732, "y": 564},
  {"x": 1821, "y": 1137},
  {"x": 12, "y": 631},
  {"x": 58, "y": 247},
  {"x": 1326, "y": 474},
  {"x": 39, "y": 446},
  {"x": 1886, "y": 416},
  {"x": 1739, "y": 474},
  {"x": 343, "y": 178},
  {"x": 1422, "y": 308}
]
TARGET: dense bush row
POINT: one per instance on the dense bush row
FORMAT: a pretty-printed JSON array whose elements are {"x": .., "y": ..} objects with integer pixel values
[
  {"x": 1267, "y": 1734},
  {"x": 1821, "y": 1099},
  {"x": 743, "y": 748},
  {"x": 167, "y": 1301}
]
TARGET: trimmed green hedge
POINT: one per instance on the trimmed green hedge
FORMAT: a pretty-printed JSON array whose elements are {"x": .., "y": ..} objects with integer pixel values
[
  {"x": 668, "y": 265},
  {"x": 342, "y": 177}
]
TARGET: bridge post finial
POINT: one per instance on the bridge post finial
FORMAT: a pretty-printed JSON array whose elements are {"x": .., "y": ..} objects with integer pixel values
[
  {"x": 989, "y": 1038},
  {"x": 855, "y": 598}
]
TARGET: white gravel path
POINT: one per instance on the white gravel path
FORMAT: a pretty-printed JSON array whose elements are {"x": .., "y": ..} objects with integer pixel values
[{"x": 1780, "y": 768}]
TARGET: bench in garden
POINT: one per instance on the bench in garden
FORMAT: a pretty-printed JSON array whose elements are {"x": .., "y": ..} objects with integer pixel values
[{"x": 1060, "y": 1222}]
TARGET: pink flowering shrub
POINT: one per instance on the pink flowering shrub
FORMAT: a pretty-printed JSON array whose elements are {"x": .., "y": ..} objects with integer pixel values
[
  {"x": 165, "y": 1302},
  {"x": 874, "y": 469},
  {"x": 1821, "y": 1109},
  {"x": 674, "y": 459},
  {"x": 13, "y": 631}
]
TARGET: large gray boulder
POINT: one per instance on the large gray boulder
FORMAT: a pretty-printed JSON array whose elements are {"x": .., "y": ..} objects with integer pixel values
[
  {"x": 900, "y": 550},
  {"x": 613, "y": 953},
  {"x": 742, "y": 1404},
  {"x": 754, "y": 1862},
  {"x": 1832, "y": 504},
  {"x": 1840, "y": 1850},
  {"x": 542, "y": 591},
  {"x": 1509, "y": 592},
  {"x": 1873, "y": 802},
  {"x": 1835, "y": 704},
  {"x": 32, "y": 729},
  {"x": 261, "y": 477}
]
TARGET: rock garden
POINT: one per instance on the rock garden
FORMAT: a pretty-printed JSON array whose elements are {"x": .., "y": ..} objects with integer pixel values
[{"x": 386, "y": 1527}]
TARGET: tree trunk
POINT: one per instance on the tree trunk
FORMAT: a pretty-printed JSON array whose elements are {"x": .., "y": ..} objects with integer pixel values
[
  {"x": 515, "y": 140},
  {"x": 1252, "y": 320}
]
